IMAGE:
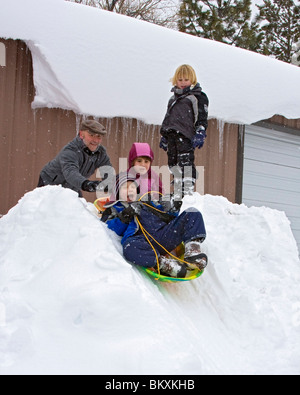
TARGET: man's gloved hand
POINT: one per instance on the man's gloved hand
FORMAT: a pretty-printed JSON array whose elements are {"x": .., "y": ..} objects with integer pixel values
[
  {"x": 102, "y": 187},
  {"x": 199, "y": 138},
  {"x": 90, "y": 186},
  {"x": 163, "y": 144}
]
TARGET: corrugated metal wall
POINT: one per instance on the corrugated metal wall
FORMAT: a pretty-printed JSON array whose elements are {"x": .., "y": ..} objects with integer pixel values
[{"x": 30, "y": 138}]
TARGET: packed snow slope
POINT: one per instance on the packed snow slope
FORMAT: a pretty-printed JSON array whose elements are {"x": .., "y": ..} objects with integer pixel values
[
  {"x": 70, "y": 303},
  {"x": 100, "y": 63}
]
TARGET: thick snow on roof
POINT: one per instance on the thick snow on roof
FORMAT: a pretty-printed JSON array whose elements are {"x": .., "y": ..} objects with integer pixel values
[{"x": 103, "y": 64}]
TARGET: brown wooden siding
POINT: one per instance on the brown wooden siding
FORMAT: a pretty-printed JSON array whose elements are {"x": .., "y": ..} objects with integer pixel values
[
  {"x": 282, "y": 121},
  {"x": 31, "y": 138},
  {"x": 28, "y": 138}
]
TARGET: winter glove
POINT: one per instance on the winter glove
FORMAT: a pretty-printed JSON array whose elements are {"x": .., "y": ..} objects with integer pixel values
[
  {"x": 199, "y": 138},
  {"x": 90, "y": 186},
  {"x": 166, "y": 203},
  {"x": 170, "y": 205},
  {"x": 177, "y": 205},
  {"x": 163, "y": 144},
  {"x": 137, "y": 207},
  {"x": 102, "y": 187},
  {"x": 127, "y": 215}
]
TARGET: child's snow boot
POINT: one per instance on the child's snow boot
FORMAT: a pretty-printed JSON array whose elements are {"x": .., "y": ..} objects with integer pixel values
[
  {"x": 171, "y": 267},
  {"x": 188, "y": 186},
  {"x": 194, "y": 255}
]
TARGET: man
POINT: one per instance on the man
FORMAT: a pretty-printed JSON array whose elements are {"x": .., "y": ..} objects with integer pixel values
[{"x": 78, "y": 160}]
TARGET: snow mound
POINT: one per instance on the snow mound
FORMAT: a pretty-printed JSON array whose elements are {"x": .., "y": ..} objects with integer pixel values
[{"x": 70, "y": 303}]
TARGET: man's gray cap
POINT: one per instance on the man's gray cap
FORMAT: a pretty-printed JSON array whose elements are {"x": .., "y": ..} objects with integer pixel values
[{"x": 93, "y": 127}]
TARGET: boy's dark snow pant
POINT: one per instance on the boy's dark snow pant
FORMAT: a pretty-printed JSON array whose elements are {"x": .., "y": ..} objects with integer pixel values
[
  {"x": 182, "y": 154},
  {"x": 186, "y": 227}
]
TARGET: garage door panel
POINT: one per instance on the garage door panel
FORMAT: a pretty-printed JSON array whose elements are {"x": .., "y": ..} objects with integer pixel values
[
  {"x": 266, "y": 181},
  {"x": 271, "y": 175},
  {"x": 271, "y": 135},
  {"x": 272, "y": 170},
  {"x": 271, "y": 195},
  {"x": 297, "y": 237},
  {"x": 274, "y": 157},
  {"x": 269, "y": 146},
  {"x": 288, "y": 209}
]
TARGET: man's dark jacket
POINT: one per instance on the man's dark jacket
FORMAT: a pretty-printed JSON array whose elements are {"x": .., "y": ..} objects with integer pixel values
[{"x": 74, "y": 165}]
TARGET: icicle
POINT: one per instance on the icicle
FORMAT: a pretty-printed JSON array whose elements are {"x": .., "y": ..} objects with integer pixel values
[
  {"x": 108, "y": 127},
  {"x": 34, "y": 112},
  {"x": 242, "y": 134},
  {"x": 221, "y": 126},
  {"x": 139, "y": 129},
  {"x": 78, "y": 121},
  {"x": 126, "y": 127},
  {"x": 2, "y": 55}
]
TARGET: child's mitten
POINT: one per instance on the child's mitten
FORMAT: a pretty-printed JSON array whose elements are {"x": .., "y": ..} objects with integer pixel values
[
  {"x": 199, "y": 138},
  {"x": 163, "y": 144}
]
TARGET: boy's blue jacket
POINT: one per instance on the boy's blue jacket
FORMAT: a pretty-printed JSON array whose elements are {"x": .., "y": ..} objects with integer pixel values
[{"x": 151, "y": 221}]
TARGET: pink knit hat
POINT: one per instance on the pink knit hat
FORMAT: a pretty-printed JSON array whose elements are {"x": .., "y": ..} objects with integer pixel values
[{"x": 139, "y": 149}]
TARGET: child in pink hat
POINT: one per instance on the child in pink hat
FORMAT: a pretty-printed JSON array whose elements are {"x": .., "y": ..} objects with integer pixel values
[{"x": 140, "y": 161}]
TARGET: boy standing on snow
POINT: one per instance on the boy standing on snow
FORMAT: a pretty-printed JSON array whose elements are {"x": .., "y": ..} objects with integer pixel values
[
  {"x": 127, "y": 217},
  {"x": 184, "y": 129},
  {"x": 78, "y": 161}
]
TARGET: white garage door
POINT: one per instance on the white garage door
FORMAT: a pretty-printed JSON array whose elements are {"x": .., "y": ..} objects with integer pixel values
[{"x": 272, "y": 172}]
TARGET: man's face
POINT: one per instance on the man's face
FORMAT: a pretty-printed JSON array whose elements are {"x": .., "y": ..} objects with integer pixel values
[{"x": 91, "y": 140}]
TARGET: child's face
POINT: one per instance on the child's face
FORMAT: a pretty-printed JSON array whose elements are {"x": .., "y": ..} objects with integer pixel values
[
  {"x": 128, "y": 192},
  {"x": 142, "y": 165},
  {"x": 183, "y": 83}
]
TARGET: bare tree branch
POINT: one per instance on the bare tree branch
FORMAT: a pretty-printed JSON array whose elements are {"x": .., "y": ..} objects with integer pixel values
[{"x": 160, "y": 12}]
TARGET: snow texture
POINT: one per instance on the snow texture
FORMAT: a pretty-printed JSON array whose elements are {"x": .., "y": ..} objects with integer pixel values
[
  {"x": 102, "y": 64},
  {"x": 70, "y": 303}
]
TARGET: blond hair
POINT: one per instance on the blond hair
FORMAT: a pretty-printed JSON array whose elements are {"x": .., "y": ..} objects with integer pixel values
[{"x": 185, "y": 71}]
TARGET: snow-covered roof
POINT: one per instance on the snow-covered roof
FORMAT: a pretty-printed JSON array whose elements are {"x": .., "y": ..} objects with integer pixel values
[{"x": 104, "y": 64}]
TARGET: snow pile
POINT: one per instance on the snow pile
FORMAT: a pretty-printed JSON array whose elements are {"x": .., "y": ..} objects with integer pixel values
[
  {"x": 70, "y": 304},
  {"x": 103, "y": 64}
]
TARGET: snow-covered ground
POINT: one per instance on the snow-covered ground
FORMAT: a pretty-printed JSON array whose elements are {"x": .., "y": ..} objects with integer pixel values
[{"x": 70, "y": 303}]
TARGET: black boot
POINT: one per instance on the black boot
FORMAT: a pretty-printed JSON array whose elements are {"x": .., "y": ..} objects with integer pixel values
[
  {"x": 194, "y": 255},
  {"x": 171, "y": 267}
]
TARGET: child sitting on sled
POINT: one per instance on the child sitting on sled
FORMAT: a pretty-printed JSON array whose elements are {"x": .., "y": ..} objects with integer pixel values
[{"x": 134, "y": 219}]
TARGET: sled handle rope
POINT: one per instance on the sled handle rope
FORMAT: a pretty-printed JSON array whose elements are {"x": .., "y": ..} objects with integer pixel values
[
  {"x": 146, "y": 234},
  {"x": 146, "y": 237}
]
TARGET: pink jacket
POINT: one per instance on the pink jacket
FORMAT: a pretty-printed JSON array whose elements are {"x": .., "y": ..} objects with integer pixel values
[{"x": 147, "y": 182}]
